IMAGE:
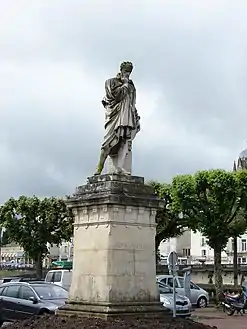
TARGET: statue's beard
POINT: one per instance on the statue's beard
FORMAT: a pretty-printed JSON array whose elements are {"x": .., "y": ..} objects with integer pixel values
[{"x": 121, "y": 77}]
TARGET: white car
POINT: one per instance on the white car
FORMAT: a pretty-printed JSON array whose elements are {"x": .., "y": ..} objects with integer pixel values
[
  {"x": 61, "y": 278},
  {"x": 183, "y": 304},
  {"x": 199, "y": 297}
]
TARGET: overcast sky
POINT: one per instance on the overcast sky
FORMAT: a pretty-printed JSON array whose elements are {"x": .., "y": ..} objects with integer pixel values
[{"x": 190, "y": 59}]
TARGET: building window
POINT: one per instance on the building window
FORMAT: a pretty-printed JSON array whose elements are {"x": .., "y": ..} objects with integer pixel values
[
  {"x": 65, "y": 249},
  {"x": 203, "y": 253},
  {"x": 244, "y": 245},
  {"x": 232, "y": 244},
  {"x": 203, "y": 242},
  {"x": 239, "y": 260},
  {"x": 186, "y": 252},
  {"x": 244, "y": 260}
]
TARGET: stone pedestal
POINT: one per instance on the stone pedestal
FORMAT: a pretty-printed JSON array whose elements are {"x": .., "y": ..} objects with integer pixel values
[{"x": 114, "y": 270}]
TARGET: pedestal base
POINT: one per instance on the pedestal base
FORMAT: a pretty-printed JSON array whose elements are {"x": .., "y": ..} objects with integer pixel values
[
  {"x": 114, "y": 272},
  {"x": 108, "y": 310}
]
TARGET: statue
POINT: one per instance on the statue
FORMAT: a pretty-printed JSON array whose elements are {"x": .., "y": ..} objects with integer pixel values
[{"x": 122, "y": 122}]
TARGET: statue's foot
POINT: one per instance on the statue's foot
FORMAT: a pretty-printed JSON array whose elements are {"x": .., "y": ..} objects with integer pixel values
[{"x": 121, "y": 171}]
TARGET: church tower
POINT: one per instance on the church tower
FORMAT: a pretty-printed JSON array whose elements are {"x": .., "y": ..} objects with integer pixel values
[{"x": 241, "y": 162}]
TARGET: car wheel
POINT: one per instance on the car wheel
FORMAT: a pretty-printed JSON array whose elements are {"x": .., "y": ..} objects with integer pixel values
[
  {"x": 43, "y": 312},
  {"x": 202, "y": 302}
]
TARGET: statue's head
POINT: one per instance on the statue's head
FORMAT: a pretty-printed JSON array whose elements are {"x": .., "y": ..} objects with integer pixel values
[{"x": 126, "y": 69}]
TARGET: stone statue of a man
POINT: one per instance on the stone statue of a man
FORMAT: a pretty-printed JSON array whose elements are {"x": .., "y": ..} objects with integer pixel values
[{"x": 122, "y": 122}]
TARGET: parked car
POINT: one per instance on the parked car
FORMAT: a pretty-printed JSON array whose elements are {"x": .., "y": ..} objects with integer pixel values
[
  {"x": 26, "y": 277},
  {"x": 8, "y": 279},
  {"x": 199, "y": 297},
  {"x": 183, "y": 304},
  {"x": 14, "y": 265},
  {"x": 21, "y": 279},
  {"x": 20, "y": 300},
  {"x": 61, "y": 278}
]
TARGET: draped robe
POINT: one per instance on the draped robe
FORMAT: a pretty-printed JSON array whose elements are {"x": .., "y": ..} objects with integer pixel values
[{"x": 122, "y": 121}]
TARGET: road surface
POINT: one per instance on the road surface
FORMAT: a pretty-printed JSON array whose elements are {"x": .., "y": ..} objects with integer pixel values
[{"x": 220, "y": 319}]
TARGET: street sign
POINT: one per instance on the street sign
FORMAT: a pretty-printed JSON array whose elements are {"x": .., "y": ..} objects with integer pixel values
[{"x": 172, "y": 259}]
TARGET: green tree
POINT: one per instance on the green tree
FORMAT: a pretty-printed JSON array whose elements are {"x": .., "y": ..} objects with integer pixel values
[
  {"x": 33, "y": 223},
  {"x": 211, "y": 201},
  {"x": 238, "y": 227},
  {"x": 169, "y": 222}
]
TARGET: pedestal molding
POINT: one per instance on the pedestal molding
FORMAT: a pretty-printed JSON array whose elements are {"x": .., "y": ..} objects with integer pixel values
[
  {"x": 113, "y": 223},
  {"x": 111, "y": 310}
]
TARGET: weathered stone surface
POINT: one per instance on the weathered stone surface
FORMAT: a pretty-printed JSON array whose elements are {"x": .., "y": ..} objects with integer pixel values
[
  {"x": 122, "y": 122},
  {"x": 116, "y": 177},
  {"x": 110, "y": 310},
  {"x": 115, "y": 189},
  {"x": 114, "y": 268}
]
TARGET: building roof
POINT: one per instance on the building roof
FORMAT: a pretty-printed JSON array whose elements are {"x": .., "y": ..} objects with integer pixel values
[{"x": 243, "y": 154}]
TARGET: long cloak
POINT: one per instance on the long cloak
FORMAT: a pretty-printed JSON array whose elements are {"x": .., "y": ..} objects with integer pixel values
[{"x": 121, "y": 117}]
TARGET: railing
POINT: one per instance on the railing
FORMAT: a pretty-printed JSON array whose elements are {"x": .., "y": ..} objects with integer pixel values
[{"x": 202, "y": 267}]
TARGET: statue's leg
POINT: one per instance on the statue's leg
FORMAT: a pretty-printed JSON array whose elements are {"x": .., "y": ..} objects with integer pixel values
[
  {"x": 102, "y": 159},
  {"x": 123, "y": 159},
  {"x": 128, "y": 158},
  {"x": 113, "y": 164}
]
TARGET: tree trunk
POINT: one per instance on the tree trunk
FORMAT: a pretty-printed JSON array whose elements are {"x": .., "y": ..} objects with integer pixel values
[
  {"x": 157, "y": 244},
  {"x": 38, "y": 266},
  {"x": 235, "y": 260},
  {"x": 1, "y": 243},
  {"x": 217, "y": 272}
]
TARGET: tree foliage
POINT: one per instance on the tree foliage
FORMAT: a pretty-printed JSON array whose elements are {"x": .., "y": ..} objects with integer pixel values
[
  {"x": 211, "y": 202},
  {"x": 169, "y": 222},
  {"x": 33, "y": 223}
]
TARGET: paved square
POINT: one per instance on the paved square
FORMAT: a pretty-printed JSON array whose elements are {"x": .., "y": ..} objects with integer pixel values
[{"x": 220, "y": 319}]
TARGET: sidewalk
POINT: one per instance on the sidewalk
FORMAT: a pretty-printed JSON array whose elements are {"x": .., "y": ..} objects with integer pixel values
[
  {"x": 216, "y": 317},
  {"x": 210, "y": 312}
]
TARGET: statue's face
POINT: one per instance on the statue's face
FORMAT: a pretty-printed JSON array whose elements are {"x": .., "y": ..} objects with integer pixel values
[{"x": 125, "y": 74}]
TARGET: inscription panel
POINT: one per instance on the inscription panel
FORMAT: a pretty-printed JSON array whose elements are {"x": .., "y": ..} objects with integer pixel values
[{"x": 130, "y": 245}]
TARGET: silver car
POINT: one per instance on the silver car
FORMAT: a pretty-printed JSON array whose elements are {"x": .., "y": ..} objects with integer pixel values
[
  {"x": 198, "y": 296},
  {"x": 183, "y": 304}
]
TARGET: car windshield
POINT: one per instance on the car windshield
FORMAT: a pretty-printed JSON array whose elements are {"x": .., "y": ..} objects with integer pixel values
[
  {"x": 164, "y": 289},
  {"x": 46, "y": 292}
]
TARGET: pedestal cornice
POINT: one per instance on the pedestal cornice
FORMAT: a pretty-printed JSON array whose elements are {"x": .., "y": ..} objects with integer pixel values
[{"x": 116, "y": 190}]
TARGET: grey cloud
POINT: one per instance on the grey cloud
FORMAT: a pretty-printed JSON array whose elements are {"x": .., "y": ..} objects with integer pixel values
[{"x": 55, "y": 56}]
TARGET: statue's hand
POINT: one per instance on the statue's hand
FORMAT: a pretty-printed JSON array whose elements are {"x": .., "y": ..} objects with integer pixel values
[{"x": 125, "y": 81}]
